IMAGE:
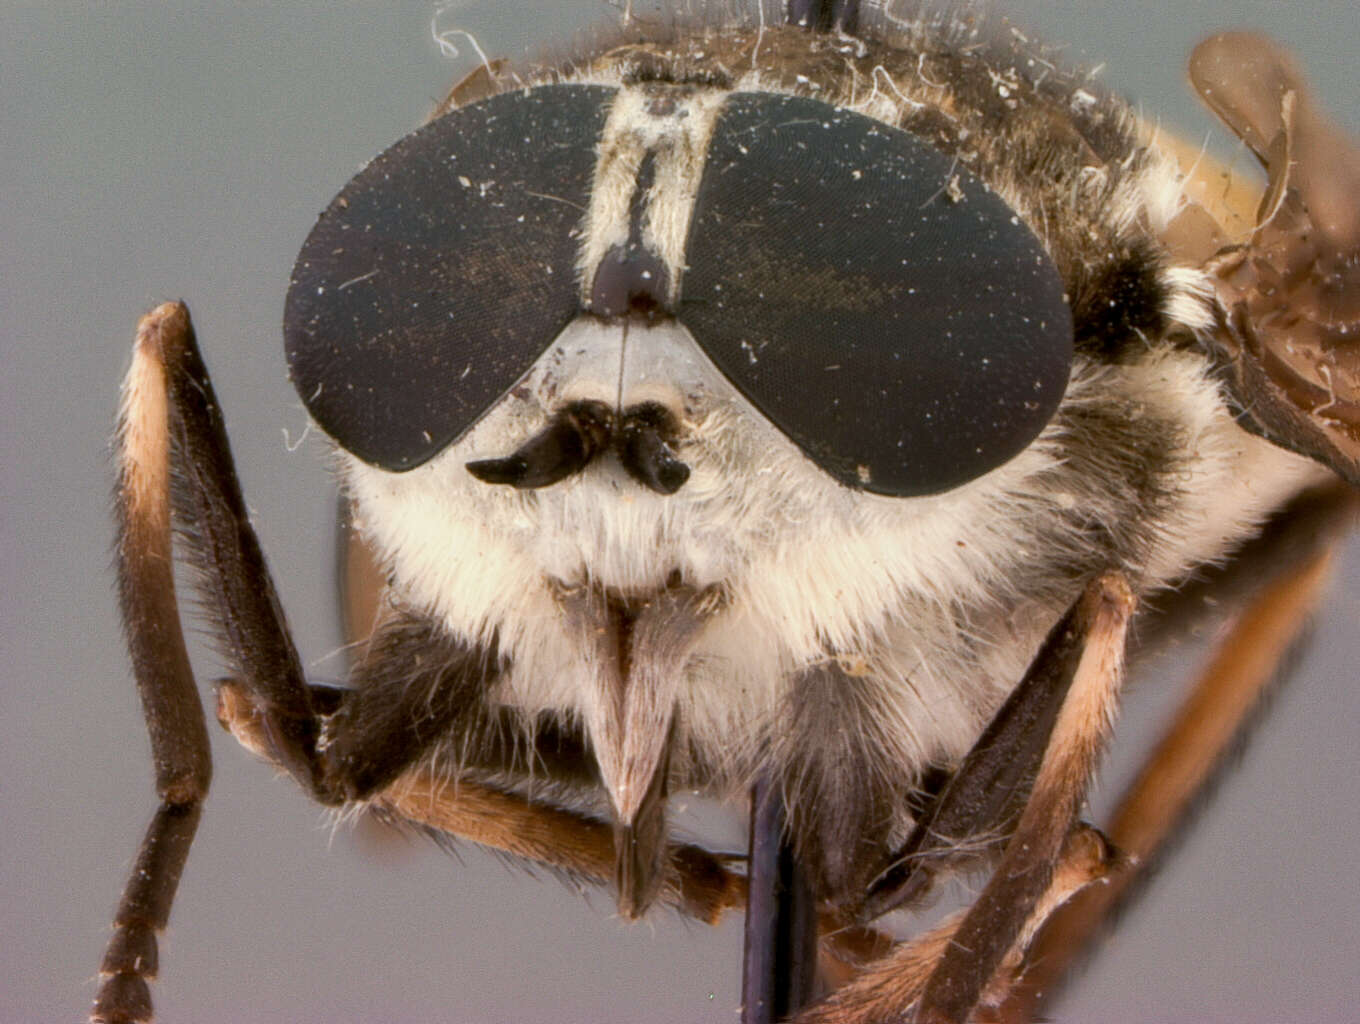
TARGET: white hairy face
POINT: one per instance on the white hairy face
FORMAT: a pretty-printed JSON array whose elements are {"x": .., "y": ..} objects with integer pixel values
[
  {"x": 923, "y": 598},
  {"x": 934, "y": 604}
]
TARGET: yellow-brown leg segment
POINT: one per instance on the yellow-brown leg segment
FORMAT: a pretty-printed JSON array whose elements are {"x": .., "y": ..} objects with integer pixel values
[
  {"x": 942, "y": 978},
  {"x": 898, "y": 979},
  {"x": 1208, "y": 724},
  {"x": 695, "y": 882}
]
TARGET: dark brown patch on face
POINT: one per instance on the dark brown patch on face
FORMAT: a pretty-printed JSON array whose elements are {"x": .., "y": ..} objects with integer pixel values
[
  {"x": 1118, "y": 458},
  {"x": 840, "y": 809},
  {"x": 1118, "y": 301}
]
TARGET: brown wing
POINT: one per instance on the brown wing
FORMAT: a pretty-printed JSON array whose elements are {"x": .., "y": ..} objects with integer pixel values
[{"x": 1289, "y": 332}]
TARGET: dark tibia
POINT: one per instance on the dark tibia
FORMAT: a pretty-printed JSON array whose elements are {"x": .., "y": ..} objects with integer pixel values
[
  {"x": 983, "y": 799},
  {"x": 994, "y": 923}
]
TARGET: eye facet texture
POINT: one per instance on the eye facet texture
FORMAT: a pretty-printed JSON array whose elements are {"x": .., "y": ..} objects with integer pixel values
[
  {"x": 442, "y": 271},
  {"x": 879, "y": 304}
]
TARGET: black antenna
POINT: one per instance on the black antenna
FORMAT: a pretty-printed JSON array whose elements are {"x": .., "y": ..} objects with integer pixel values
[{"x": 825, "y": 15}]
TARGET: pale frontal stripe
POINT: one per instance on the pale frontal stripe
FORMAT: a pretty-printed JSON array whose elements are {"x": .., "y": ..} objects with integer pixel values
[
  {"x": 680, "y": 158},
  {"x": 679, "y": 141},
  {"x": 621, "y": 150}
]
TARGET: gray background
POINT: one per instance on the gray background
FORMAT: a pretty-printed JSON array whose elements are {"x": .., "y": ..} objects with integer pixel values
[{"x": 149, "y": 152}]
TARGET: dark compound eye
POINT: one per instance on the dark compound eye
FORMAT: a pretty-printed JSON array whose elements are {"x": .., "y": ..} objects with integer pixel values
[
  {"x": 442, "y": 271},
  {"x": 876, "y": 302}
]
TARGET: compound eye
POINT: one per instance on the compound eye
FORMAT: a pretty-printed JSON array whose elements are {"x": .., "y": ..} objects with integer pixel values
[
  {"x": 442, "y": 272},
  {"x": 879, "y": 304}
]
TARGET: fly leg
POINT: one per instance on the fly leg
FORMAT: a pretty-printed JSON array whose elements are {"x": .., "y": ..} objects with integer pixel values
[
  {"x": 175, "y": 476},
  {"x": 1287, "y": 571},
  {"x": 1025, "y": 779}
]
